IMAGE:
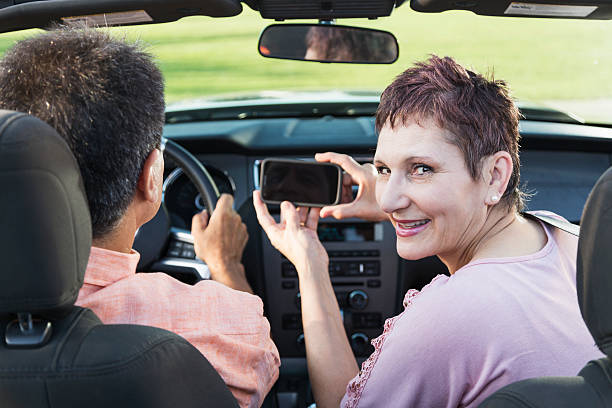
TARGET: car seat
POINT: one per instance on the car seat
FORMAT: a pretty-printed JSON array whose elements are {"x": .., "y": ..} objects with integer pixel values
[
  {"x": 593, "y": 386},
  {"x": 53, "y": 353}
]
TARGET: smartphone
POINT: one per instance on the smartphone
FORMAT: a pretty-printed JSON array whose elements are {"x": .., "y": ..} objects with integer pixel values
[{"x": 304, "y": 183}]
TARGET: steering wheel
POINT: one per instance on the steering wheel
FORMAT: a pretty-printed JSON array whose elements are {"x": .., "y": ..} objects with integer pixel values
[{"x": 170, "y": 250}]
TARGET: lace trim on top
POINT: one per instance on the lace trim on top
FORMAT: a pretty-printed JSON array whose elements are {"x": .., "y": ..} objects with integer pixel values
[{"x": 355, "y": 388}]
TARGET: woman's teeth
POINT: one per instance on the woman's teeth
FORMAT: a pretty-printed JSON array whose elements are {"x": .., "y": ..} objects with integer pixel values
[{"x": 412, "y": 224}]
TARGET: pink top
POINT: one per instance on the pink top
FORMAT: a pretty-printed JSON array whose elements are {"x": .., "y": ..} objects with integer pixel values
[
  {"x": 226, "y": 325},
  {"x": 493, "y": 322}
]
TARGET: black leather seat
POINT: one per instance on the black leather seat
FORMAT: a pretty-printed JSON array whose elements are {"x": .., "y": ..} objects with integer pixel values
[
  {"x": 593, "y": 386},
  {"x": 52, "y": 353}
]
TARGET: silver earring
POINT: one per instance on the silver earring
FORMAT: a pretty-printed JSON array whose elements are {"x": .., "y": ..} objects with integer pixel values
[{"x": 494, "y": 198}]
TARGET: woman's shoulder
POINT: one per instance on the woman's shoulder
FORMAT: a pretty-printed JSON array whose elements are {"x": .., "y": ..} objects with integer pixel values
[
  {"x": 567, "y": 241},
  {"x": 464, "y": 310},
  {"x": 447, "y": 297},
  {"x": 474, "y": 291}
]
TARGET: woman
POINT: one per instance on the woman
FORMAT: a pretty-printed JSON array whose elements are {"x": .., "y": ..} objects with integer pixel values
[{"x": 446, "y": 174}]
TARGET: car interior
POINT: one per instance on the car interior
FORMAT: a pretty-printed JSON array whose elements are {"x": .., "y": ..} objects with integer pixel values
[
  {"x": 592, "y": 386},
  {"x": 56, "y": 354},
  {"x": 217, "y": 146}
]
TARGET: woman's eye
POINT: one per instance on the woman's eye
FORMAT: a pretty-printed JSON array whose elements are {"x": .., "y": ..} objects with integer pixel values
[
  {"x": 421, "y": 169},
  {"x": 383, "y": 171}
]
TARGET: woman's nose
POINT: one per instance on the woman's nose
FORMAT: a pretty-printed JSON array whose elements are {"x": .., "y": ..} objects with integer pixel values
[{"x": 392, "y": 195}]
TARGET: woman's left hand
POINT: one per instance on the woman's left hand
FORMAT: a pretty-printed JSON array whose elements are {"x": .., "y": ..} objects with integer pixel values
[
  {"x": 331, "y": 363},
  {"x": 295, "y": 236}
]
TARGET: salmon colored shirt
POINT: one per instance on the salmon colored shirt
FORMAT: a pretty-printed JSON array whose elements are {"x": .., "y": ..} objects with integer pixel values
[{"x": 226, "y": 325}]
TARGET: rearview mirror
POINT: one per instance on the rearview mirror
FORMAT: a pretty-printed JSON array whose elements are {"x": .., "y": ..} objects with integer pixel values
[{"x": 328, "y": 43}]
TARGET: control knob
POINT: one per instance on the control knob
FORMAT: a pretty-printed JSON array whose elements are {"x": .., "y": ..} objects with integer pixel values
[
  {"x": 358, "y": 299},
  {"x": 301, "y": 342},
  {"x": 359, "y": 343},
  {"x": 298, "y": 301}
]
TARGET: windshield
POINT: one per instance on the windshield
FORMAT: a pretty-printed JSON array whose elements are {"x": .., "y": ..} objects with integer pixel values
[{"x": 563, "y": 64}]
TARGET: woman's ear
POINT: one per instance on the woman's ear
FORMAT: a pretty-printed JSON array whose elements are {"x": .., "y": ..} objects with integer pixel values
[
  {"x": 151, "y": 178},
  {"x": 497, "y": 171}
]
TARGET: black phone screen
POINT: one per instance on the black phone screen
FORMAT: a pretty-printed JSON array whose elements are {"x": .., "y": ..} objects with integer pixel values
[{"x": 302, "y": 183}]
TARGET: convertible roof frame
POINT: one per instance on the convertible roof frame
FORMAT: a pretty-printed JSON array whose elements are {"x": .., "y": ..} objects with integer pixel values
[
  {"x": 572, "y": 9},
  {"x": 20, "y": 15},
  {"x": 323, "y": 9}
]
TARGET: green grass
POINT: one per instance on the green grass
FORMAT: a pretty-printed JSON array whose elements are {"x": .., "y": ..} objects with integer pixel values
[{"x": 541, "y": 59}]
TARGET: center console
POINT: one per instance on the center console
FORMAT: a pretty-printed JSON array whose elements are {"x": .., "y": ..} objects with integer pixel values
[{"x": 363, "y": 270}]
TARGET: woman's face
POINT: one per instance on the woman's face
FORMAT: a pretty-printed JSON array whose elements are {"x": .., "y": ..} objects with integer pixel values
[{"x": 425, "y": 187}]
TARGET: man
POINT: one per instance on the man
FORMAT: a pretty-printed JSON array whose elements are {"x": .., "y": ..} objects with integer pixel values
[{"x": 105, "y": 97}]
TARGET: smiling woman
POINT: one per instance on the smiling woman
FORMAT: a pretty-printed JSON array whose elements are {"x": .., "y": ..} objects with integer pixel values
[{"x": 448, "y": 174}]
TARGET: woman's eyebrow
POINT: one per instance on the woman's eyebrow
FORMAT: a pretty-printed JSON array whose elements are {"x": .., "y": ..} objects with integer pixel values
[
  {"x": 409, "y": 159},
  {"x": 418, "y": 158}
]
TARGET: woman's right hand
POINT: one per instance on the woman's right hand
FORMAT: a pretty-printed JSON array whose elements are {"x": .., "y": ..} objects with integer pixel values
[
  {"x": 295, "y": 236},
  {"x": 364, "y": 206}
]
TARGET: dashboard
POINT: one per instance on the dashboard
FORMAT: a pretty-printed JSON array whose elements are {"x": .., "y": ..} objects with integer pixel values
[{"x": 560, "y": 163}]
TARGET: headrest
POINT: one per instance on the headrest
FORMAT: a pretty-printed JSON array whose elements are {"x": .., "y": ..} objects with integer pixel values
[
  {"x": 45, "y": 228},
  {"x": 594, "y": 264}
]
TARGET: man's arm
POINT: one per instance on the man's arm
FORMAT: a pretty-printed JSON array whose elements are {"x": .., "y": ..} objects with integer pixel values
[
  {"x": 230, "y": 330},
  {"x": 220, "y": 242}
]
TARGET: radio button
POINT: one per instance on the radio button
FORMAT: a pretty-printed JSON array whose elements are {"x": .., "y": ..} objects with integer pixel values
[
  {"x": 367, "y": 320},
  {"x": 374, "y": 283},
  {"x": 292, "y": 321},
  {"x": 188, "y": 251},
  {"x": 175, "y": 249},
  {"x": 335, "y": 269},
  {"x": 288, "y": 270},
  {"x": 288, "y": 284},
  {"x": 353, "y": 268},
  {"x": 372, "y": 268}
]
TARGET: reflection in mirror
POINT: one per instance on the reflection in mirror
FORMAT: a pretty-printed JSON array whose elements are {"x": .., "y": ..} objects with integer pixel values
[{"x": 328, "y": 43}]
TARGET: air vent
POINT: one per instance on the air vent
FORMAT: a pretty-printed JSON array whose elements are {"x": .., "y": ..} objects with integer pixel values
[{"x": 329, "y": 127}]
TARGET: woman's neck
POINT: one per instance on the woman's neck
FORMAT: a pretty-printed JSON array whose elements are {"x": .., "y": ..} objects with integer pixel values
[{"x": 494, "y": 239}]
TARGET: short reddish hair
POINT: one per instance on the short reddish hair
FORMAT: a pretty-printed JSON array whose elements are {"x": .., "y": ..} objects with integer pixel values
[{"x": 479, "y": 112}]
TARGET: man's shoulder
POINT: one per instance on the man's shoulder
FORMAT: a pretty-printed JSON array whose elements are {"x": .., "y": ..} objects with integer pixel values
[
  {"x": 162, "y": 289},
  {"x": 207, "y": 288},
  {"x": 158, "y": 299}
]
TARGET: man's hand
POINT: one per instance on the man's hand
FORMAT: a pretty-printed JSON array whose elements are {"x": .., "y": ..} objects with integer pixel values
[
  {"x": 364, "y": 205},
  {"x": 220, "y": 242}
]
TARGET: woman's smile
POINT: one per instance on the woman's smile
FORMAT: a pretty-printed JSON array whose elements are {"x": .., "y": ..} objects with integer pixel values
[{"x": 409, "y": 228}]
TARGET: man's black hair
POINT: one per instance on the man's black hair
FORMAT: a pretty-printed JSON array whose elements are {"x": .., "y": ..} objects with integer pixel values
[{"x": 103, "y": 95}]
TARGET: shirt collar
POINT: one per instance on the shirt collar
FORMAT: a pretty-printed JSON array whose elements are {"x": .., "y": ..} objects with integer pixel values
[{"x": 106, "y": 266}]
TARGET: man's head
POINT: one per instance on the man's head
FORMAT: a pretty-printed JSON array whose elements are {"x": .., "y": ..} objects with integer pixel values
[{"x": 104, "y": 97}]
